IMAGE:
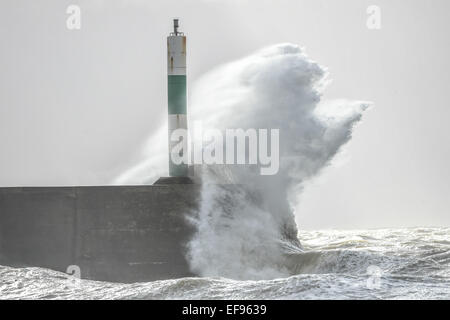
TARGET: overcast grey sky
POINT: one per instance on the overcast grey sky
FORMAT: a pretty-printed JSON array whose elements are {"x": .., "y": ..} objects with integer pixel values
[{"x": 76, "y": 106}]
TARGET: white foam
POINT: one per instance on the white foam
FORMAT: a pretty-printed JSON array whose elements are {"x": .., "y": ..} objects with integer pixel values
[{"x": 242, "y": 229}]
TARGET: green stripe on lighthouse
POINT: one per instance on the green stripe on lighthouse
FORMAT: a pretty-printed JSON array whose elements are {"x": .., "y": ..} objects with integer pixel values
[{"x": 177, "y": 94}]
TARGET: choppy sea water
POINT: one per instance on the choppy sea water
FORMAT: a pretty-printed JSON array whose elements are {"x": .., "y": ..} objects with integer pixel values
[{"x": 359, "y": 264}]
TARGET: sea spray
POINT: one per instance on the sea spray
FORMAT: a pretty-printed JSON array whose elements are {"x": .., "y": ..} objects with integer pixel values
[
  {"x": 247, "y": 230},
  {"x": 246, "y": 226}
]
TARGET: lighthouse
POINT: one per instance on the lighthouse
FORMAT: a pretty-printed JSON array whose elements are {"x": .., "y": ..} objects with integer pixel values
[{"x": 177, "y": 101}]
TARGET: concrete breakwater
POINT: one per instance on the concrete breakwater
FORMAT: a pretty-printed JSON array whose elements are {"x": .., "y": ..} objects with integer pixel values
[{"x": 112, "y": 233}]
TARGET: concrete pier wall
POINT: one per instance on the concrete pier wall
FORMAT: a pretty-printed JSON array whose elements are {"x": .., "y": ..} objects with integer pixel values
[{"x": 114, "y": 233}]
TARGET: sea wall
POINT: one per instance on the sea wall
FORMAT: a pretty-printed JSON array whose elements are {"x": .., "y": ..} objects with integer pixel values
[{"x": 113, "y": 233}]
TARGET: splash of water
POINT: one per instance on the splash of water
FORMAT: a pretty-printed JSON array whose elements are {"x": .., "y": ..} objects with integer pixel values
[{"x": 246, "y": 225}]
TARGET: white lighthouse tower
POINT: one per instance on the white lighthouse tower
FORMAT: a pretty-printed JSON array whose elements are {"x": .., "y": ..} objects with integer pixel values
[{"x": 177, "y": 101}]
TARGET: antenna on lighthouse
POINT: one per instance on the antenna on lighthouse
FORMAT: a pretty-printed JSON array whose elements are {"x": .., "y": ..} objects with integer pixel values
[{"x": 175, "y": 26}]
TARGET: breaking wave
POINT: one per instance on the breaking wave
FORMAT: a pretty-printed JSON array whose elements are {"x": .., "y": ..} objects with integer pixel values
[{"x": 246, "y": 224}]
